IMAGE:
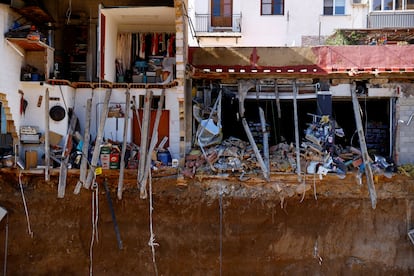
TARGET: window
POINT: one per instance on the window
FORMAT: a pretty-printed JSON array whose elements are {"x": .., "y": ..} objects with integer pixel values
[
  {"x": 273, "y": 7},
  {"x": 334, "y": 7},
  {"x": 389, "y": 5}
]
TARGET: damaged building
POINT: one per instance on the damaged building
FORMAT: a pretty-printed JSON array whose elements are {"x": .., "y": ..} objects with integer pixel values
[{"x": 210, "y": 120}]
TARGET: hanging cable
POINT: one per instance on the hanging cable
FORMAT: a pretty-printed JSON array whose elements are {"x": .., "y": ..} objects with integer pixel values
[
  {"x": 94, "y": 217},
  {"x": 69, "y": 12},
  {"x": 6, "y": 242},
  {"x": 25, "y": 206},
  {"x": 221, "y": 228},
  {"x": 151, "y": 241}
]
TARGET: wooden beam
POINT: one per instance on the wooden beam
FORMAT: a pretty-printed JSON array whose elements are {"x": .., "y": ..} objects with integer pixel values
[
  {"x": 99, "y": 139},
  {"x": 144, "y": 143},
  {"x": 124, "y": 143},
  {"x": 255, "y": 149},
  {"x": 244, "y": 87},
  {"x": 85, "y": 148},
  {"x": 265, "y": 141},
  {"x": 47, "y": 143},
  {"x": 65, "y": 157},
  {"x": 365, "y": 156},
  {"x": 154, "y": 140},
  {"x": 296, "y": 119}
]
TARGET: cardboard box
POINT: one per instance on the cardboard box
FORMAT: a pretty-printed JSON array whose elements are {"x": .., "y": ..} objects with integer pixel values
[
  {"x": 105, "y": 159},
  {"x": 114, "y": 161}
]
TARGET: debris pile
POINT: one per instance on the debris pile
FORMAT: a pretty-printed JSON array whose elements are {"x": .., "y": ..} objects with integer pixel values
[{"x": 318, "y": 155}]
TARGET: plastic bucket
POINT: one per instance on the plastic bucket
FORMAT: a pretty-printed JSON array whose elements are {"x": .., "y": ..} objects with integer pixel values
[{"x": 164, "y": 157}]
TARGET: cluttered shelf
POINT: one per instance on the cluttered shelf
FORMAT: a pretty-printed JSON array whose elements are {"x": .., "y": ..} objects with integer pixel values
[{"x": 28, "y": 45}]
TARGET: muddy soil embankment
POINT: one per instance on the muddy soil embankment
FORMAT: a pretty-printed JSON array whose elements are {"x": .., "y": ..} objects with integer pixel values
[{"x": 208, "y": 226}]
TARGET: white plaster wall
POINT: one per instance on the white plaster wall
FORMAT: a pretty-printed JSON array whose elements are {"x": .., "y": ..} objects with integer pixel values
[
  {"x": 35, "y": 116},
  {"x": 10, "y": 71},
  {"x": 301, "y": 18},
  {"x": 118, "y": 96}
]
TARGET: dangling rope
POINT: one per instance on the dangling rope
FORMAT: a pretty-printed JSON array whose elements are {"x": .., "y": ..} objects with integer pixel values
[
  {"x": 221, "y": 228},
  {"x": 151, "y": 241},
  {"x": 95, "y": 215},
  {"x": 69, "y": 12},
  {"x": 6, "y": 242},
  {"x": 25, "y": 206}
]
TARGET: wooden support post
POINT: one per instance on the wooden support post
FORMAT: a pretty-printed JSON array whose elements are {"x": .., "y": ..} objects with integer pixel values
[
  {"x": 65, "y": 157},
  {"x": 244, "y": 87},
  {"x": 124, "y": 143},
  {"x": 297, "y": 141},
  {"x": 365, "y": 156},
  {"x": 255, "y": 149},
  {"x": 98, "y": 140},
  {"x": 144, "y": 143},
  {"x": 154, "y": 140},
  {"x": 85, "y": 148},
  {"x": 47, "y": 143},
  {"x": 265, "y": 140},
  {"x": 277, "y": 98}
]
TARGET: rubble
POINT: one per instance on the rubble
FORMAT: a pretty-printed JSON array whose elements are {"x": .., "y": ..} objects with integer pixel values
[{"x": 318, "y": 153}]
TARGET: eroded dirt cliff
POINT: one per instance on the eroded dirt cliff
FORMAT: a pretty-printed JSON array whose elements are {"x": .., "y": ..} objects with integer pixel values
[{"x": 207, "y": 225}]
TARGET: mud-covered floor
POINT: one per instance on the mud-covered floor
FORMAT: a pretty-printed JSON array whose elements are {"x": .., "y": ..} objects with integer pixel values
[{"x": 210, "y": 226}]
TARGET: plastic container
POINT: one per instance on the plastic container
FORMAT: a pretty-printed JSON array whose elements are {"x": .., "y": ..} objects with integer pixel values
[{"x": 164, "y": 157}]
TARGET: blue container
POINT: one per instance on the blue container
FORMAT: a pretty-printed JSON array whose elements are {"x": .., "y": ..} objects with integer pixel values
[
  {"x": 164, "y": 157},
  {"x": 35, "y": 77}
]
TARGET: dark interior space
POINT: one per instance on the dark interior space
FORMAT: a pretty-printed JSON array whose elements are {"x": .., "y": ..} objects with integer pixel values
[{"x": 375, "y": 119}]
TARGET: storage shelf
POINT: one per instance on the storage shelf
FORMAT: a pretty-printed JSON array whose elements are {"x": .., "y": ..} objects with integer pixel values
[{"x": 29, "y": 45}]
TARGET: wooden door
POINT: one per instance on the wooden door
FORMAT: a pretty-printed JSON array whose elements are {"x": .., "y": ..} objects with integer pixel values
[
  {"x": 163, "y": 128},
  {"x": 221, "y": 13}
]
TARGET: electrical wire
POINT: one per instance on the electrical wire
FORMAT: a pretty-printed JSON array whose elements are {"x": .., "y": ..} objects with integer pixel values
[
  {"x": 221, "y": 229},
  {"x": 6, "y": 242},
  {"x": 25, "y": 206},
  {"x": 151, "y": 241},
  {"x": 69, "y": 12},
  {"x": 94, "y": 218}
]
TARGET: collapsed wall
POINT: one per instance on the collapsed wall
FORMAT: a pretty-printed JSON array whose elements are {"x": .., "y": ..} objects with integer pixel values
[{"x": 210, "y": 225}]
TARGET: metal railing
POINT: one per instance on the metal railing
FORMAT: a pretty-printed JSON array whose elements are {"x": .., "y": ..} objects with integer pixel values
[
  {"x": 378, "y": 20},
  {"x": 203, "y": 24}
]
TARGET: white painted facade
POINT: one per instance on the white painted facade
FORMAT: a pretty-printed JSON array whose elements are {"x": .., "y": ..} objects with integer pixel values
[
  {"x": 11, "y": 65},
  {"x": 300, "y": 19},
  {"x": 13, "y": 59}
]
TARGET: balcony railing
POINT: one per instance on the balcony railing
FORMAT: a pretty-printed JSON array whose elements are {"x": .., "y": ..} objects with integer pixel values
[
  {"x": 203, "y": 24},
  {"x": 378, "y": 20}
]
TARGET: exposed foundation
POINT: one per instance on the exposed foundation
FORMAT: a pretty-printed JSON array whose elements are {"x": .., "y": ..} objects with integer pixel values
[{"x": 207, "y": 225}]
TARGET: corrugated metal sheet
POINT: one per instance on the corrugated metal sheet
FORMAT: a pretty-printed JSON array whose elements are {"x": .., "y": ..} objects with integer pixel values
[{"x": 391, "y": 20}]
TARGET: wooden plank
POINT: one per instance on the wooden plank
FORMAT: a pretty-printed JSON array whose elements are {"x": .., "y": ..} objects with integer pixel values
[
  {"x": 244, "y": 87},
  {"x": 154, "y": 141},
  {"x": 265, "y": 140},
  {"x": 65, "y": 157},
  {"x": 144, "y": 143},
  {"x": 295, "y": 116},
  {"x": 277, "y": 98},
  {"x": 47, "y": 146},
  {"x": 365, "y": 156},
  {"x": 85, "y": 148},
  {"x": 98, "y": 140},
  {"x": 255, "y": 149},
  {"x": 124, "y": 143}
]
